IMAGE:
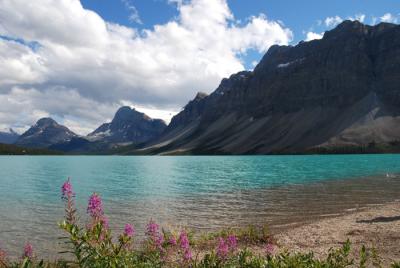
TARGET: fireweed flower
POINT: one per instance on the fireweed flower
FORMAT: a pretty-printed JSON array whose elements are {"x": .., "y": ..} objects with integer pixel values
[
  {"x": 66, "y": 190},
  {"x": 172, "y": 240},
  {"x": 95, "y": 206},
  {"x": 104, "y": 222},
  {"x": 129, "y": 230},
  {"x": 269, "y": 249},
  {"x": 152, "y": 228},
  {"x": 185, "y": 246},
  {"x": 184, "y": 240},
  {"x": 223, "y": 249},
  {"x": 187, "y": 255},
  {"x": 232, "y": 242},
  {"x": 28, "y": 251},
  {"x": 159, "y": 241},
  {"x": 153, "y": 232}
]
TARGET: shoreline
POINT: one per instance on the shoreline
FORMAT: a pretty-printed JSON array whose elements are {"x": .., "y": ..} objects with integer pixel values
[{"x": 375, "y": 227}]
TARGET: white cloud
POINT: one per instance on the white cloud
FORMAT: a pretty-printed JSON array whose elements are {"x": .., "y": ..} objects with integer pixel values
[
  {"x": 154, "y": 112},
  {"x": 20, "y": 107},
  {"x": 314, "y": 36},
  {"x": 359, "y": 17},
  {"x": 19, "y": 64},
  {"x": 388, "y": 17},
  {"x": 333, "y": 21},
  {"x": 94, "y": 63}
]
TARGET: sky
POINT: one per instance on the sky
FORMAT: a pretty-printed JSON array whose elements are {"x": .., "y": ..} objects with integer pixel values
[{"x": 79, "y": 61}]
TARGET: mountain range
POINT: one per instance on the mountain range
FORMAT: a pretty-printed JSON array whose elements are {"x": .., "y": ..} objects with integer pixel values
[
  {"x": 127, "y": 127},
  {"x": 337, "y": 94}
]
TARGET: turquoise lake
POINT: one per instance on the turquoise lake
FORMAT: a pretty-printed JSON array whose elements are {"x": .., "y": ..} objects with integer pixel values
[{"x": 201, "y": 192}]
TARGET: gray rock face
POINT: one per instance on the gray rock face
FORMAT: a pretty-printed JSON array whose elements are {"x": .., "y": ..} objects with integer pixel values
[
  {"x": 342, "y": 90},
  {"x": 45, "y": 133},
  {"x": 128, "y": 126},
  {"x": 8, "y": 137}
]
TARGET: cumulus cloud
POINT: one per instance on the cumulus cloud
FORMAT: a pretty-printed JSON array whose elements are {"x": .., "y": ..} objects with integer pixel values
[
  {"x": 333, "y": 21},
  {"x": 388, "y": 17},
  {"x": 314, "y": 36},
  {"x": 96, "y": 65},
  {"x": 19, "y": 64},
  {"x": 22, "y": 106}
]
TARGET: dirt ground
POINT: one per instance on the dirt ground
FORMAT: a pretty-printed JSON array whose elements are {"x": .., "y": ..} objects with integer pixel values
[{"x": 376, "y": 227}]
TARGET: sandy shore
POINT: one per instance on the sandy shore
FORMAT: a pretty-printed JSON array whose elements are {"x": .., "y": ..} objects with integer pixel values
[{"x": 377, "y": 226}]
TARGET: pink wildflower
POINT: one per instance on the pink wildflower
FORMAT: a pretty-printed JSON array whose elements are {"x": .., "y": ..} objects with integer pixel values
[
  {"x": 185, "y": 246},
  {"x": 232, "y": 242},
  {"x": 269, "y": 249},
  {"x": 152, "y": 228},
  {"x": 187, "y": 256},
  {"x": 28, "y": 251},
  {"x": 129, "y": 230},
  {"x": 104, "y": 222},
  {"x": 153, "y": 232},
  {"x": 184, "y": 240},
  {"x": 172, "y": 241},
  {"x": 95, "y": 206},
  {"x": 66, "y": 190},
  {"x": 223, "y": 249}
]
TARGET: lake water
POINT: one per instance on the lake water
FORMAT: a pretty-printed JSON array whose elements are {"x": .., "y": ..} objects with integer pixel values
[{"x": 201, "y": 192}]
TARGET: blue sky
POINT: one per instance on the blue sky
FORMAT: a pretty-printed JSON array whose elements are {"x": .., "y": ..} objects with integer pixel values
[
  {"x": 78, "y": 61},
  {"x": 300, "y": 16}
]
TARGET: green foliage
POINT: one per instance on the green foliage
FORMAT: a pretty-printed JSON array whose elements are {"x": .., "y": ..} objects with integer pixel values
[
  {"x": 93, "y": 246},
  {"x": 250, "y": 235},
  {"x": 107, "y": 254},
  {"x": 396, "y": 265}
]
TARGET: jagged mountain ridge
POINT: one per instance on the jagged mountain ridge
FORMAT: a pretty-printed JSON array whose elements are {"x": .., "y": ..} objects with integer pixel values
[
  {"x": 342, "y": 90},
  {"x": 129, "y": 126}
]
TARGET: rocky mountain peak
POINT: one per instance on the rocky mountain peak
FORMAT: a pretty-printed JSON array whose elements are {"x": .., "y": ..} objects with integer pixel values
[
  {"x": 46, "y": 132},
  {"x": 47, "y": 121},
  {"x": 124, "y": 112},
  {"x": 128, "y": 126},
  {"x": 200, "y": 95}
]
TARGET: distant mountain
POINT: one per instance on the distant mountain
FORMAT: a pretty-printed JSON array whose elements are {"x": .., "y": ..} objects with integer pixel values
[
  {"x": 45, "y": 133},
  {"x": 340, "y": 93},
  {"x": 8, "y": 137},
  {"x": 128, "y": 126}
]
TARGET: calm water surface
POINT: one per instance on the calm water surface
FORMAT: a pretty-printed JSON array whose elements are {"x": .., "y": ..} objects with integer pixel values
[{"x": 202, "y": 192}]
